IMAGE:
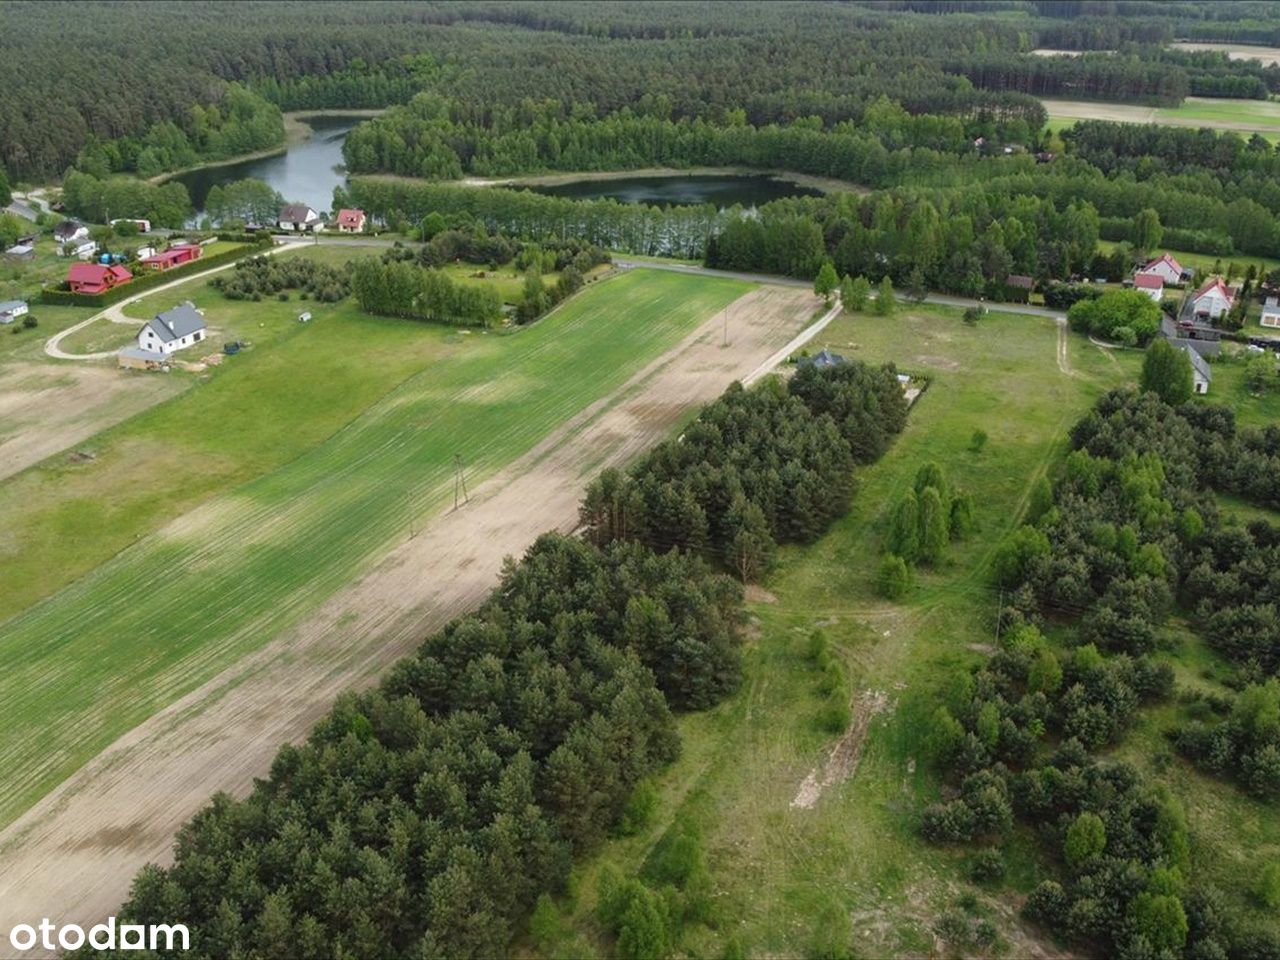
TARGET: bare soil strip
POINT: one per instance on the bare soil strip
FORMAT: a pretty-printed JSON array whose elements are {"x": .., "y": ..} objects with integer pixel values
[
  {"x": 46, "y": 409},
  {"x": 842, "y": 762},
  {"x": 73, "y": 855}
]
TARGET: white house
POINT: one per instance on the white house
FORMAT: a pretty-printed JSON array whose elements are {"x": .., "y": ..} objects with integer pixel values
[
  {"x": 80, "y": 249},
  {"x": 1212, "y": 300},
  {"x": 11, "y": 310},
  {"x": 1201, "y": 375},
  {"x": 69, "y": 231},
  {"x": 1152, "y": 284},
  {"x": 175, "y": 329},
  {"x": 298, "y": 217},
  {"x": 1271, "y": 313},
  {"x": 1164, "y": 267}
]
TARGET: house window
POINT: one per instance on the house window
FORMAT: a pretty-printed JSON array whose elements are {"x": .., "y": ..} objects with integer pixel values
[{"x": 199, "y": 335}]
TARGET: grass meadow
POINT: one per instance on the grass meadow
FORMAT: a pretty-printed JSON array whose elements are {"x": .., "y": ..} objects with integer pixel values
[
  {"x": 292, "y": 467},
  {"x": 850, "y": 871}
]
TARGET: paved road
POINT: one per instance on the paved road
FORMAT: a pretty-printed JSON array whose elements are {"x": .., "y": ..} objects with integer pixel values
[
  {"x": 114, "y": 312},
  {"x": 938, "y": 298}
]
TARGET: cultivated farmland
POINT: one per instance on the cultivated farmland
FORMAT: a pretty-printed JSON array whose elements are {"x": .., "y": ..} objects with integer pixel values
[
  {"x": 122, "y": 808},
  {"x": 1243, "y": 116}
]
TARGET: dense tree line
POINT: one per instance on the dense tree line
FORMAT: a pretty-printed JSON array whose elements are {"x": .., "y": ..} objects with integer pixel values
[
  {"x": 395, "y": 288},
  {"x": 1241, "y": 740},
  {"x": 773, "y": 464},
  {"x": 98, "y": 201},
  {"x": 425, "y": 817},
  {"x": 257, "y": 277}
]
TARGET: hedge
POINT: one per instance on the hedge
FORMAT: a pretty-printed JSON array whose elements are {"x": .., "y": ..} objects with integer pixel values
[{"x": 146, "y": 281}]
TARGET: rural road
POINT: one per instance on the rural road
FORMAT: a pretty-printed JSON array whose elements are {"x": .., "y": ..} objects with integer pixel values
[
  {"x": 75, "y": 852},
  {"x": 115, "y": 313}
]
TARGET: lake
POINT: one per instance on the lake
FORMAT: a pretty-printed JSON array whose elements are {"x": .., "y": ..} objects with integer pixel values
[
  {"x": 723, "y": 190},
  {"x": 305, "y": 172}
]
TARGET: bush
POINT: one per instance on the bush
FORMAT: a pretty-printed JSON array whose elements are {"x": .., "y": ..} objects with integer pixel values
[
  {"x": 987, "y": 866},
  {"x": 895, "y": 577},
  {"x": 29, "y": 322}
]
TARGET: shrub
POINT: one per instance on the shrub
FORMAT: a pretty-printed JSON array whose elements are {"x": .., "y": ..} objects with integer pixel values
[
  {"x": 1267, "y": 886},
  {"x": 894, "y": 578},
  {"x": 987, "y": 866},
  {"x": 1086, "y": 838}
]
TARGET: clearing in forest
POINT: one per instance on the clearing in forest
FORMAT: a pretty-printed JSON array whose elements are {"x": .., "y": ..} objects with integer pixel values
[{"x": 1244, "y": 116}]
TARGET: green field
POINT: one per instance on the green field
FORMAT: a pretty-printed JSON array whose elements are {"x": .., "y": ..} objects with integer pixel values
[
  {"x": 184, "y": 602},
  {"x": 789, "y": 882},
  {"x": 1204, "y": 263},
  {"x": 1246, "y": 117}
]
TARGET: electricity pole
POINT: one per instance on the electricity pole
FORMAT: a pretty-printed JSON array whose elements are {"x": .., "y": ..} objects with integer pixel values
[{"x": 459, "y": 482}]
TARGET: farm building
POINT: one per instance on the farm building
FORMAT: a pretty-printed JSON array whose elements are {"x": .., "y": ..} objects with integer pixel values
[
  {"x": 298, "y": 217},
  {"x": 11, "y": 310},
  {"x": 1165, "y": 267},
  {"x": 95, "y": 278},
  {"x": 350, "y": 221},
  {"x": 172, "y": 330},
  {"x": 1212, "y": 300},
  {"x": 1271, "y": 313},
  {"x": 173, "y": 257},
  {"x": 1200, "y": 372},
  {"x": 136, "y": 358},
  {"x": 1152, "y": 284},
  {"x": 21, "y": 252},
  {"x": 69, "y": 231}
]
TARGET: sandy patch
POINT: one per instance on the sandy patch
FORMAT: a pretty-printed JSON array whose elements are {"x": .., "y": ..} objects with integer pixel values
[
  {"x": 74, "y": 854},
  {"x": 842, "y": 762}
]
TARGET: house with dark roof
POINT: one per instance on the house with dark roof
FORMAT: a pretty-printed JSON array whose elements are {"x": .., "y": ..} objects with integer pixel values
[
  {"x": 298, "y": 217},
  {"x": 95, "y": 277},
  {"x": 1200, "y": 373},
  {"x": 823, "y": 360},
  {"x": 68, "y": 231},
  {"x": 1204, "y": 339},
  {"x": 172, "y": 330}
]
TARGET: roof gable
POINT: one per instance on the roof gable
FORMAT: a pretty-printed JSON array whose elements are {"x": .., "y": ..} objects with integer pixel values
[
  {"x": 182, "y": 321},
  {"x": 1148, "y": 281},
  {"x": 1213, "y": 285}
]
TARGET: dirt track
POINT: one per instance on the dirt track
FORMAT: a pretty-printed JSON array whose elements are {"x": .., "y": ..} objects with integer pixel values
[{"x": 73, "y": 855}]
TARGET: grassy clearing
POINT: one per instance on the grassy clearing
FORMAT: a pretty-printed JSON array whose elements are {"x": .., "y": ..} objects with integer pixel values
[
  {"x": 1205, "y": 263},
  {"x": 1243, "y": 116},
  {"x": 186, "y": 601},
  {"x": 851, "y": 870}
]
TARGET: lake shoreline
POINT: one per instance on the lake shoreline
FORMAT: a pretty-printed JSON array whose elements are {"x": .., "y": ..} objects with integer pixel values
[
  {"x": 557, "y": 179},
  {"x": 296, "y": 131}
]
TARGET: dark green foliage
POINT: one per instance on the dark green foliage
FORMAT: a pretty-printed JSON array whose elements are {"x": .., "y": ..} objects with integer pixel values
[
  {"x": 398, "y": 289},
  {"x": 1166, "y": 372},
  {"x": 1131, "y": 310},
  {"x": 97, "y": 199},
  {"x": 1246, "y": 745},
  {"x": 256, "y": 277},
  {"x": 894, "y": 578},
  {"x": 935, "y": 530},
  {"x": 428, "y": 815}
]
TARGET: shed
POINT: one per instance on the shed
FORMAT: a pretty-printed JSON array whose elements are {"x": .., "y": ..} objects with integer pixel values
[
  {"x": 11, "y": 310},
  {"x": 135, "y": 358},
  {"x": 21, "y": 251},
  {"x": 304, "y": 316},
  {"x": 1200, "y": 372}
]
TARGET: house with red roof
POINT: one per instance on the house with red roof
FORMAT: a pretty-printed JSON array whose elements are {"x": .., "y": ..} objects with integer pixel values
[
  {"x": 95, "y": 277},
  {"x": 1165, "y": 267},
  {"x": 1149, "y": 283},
  {"x": 1212, "y": 300},
  {"x": 350, "y": 221},
  {"x": 173, "y": 257}
]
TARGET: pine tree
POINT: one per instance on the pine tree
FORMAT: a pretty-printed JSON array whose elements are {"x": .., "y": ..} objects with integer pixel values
[
  {"x": 886, "y": 299},
  {"x": 904, "y": 529},
  {"x": 1166, "y": 371},
  {"x": 934, "y": 532}
]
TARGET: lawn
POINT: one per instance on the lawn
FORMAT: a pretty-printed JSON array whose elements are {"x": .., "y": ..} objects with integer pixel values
[
  {"x": 328, "y": 488},
  {"x": 1204, "y": 263},
  {"x": 850, "y": 872}
]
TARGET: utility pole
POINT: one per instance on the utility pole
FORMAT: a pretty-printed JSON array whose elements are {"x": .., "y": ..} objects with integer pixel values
[
  {"x": 724, "y": 335},
  {"x": 408, "y": 499},
  {"x": 459, "y": 482}
]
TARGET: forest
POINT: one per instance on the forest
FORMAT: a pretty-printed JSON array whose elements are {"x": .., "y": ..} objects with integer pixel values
[
  {"x": 425, "y": 817},
  {"x": 135, "y": 73}
]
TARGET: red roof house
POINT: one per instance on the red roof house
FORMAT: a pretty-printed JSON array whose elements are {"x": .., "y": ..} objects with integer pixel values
[
  {"x": 174, "y": 256},
  {"x": 1152, "y": 284},
  {"x": 1165, "y": 267},
  {"x": 95, "y": 278},
  {"x": 1213, "y": 299},
  {"x": 350, "y": 221}
]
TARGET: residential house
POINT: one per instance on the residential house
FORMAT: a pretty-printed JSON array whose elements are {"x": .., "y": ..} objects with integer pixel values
[
  {"x": 11, "y": 310},
  {"x": 95, "y": 277},
  {"x": 1271, "y": 312},
  {"x": 298, "y": 217},
  {"x": 175, "y": 256},
  {"x": 1200, "y": 373},
  {"x": 1213, "y": 300},
  {"x": 69, "y": 231},
  {"x": 1165, "y": 267},
  {"x": 21, "y": 252},
  {"x": 175, "y": 329},
  {"x": 823, "y": 359},
  {"x": 1152, "y": 284},
  {"x": 1018, "y": 287},
  {"x": 350, "y": 221}
]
